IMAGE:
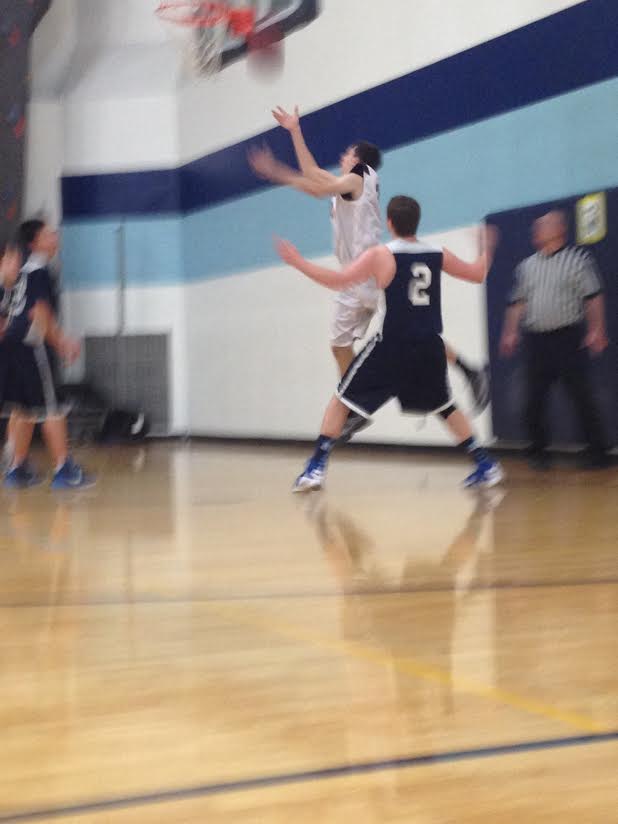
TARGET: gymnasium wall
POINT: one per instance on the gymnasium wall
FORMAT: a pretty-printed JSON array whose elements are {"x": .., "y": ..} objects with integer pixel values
[
  {"x": 18, "y": 21},
  {"x": 472, "y": 124}
]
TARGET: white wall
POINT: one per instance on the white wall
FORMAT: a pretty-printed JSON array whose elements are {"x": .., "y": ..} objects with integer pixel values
[
  {"x": 260, "y": 361},
  {"x": 353, "y": 45},
  {"x": 52, "y": 49},
  {"x": 120, "y": 80},
  {"x": 113, "y": 64},
  {"x": 109, "y": 95},
  {"x": 119, "y": 22},
  {"x": 44, "y": 159},
  {"x": 115, "y": 74},
  {"x": 119, "y": 134}
]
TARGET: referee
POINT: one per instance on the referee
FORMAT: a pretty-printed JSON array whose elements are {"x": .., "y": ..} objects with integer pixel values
[{"x": 558, "y": 300}]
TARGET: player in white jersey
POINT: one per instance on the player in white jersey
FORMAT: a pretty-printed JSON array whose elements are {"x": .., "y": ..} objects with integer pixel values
[
  {"x": 357, "y": 225},
  {"x": 355, "y": 214}
]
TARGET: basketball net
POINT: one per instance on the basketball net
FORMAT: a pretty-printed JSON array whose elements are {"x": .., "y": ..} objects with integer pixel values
[
  {"x": 207, "y": 51},
  {"x": 201, "y": 29}
]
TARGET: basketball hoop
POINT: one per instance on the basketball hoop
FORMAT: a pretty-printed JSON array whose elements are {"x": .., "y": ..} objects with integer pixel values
[{"x": 204, "y": 27}]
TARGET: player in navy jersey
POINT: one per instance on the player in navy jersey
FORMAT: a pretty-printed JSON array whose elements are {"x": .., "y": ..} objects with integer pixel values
[
  {"x": 407, "y": 359},
  {"x": 38, "y": 244},
  {"x": 29, "y": 328}
]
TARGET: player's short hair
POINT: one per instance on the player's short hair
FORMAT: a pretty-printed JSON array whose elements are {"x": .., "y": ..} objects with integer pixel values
[
  {"x": 405, "y": 214},
  {"x": 368, "y": 154},
  {"x": 11, "y": 245},
  {"x": 27, "y": 233}
]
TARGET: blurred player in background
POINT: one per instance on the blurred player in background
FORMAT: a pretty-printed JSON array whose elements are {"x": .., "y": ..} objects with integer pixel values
[{"x": 30, "y": 329}]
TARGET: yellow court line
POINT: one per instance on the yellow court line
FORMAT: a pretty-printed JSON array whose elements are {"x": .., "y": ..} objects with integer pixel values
[{"x": 418, "y": 669}]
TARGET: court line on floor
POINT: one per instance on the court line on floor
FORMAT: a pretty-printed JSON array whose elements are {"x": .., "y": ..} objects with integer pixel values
[
  {"x": 305, "y": 776},
  {"x": 213, "y": 597},
  {"x": 414, "y": 667}
]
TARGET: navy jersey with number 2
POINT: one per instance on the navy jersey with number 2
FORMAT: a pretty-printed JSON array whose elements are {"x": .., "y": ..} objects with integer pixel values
[{"x": 413, "y": 298}]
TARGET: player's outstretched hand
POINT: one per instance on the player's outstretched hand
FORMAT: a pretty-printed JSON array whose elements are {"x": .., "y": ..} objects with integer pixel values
[
  {"x": 262, "y": 161},
  {"x": 288, "y": 252},
  {"x": 285, "y": 119}
]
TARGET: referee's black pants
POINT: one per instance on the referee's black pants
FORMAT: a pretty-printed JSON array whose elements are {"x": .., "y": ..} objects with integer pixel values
[{"x": 560, "y": 355}]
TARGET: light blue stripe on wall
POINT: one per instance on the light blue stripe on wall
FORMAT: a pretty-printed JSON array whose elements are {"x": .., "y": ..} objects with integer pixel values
[
  {"x": 239, "y": 235},
  {"x": 542, "y": 152},
  {"x": 546, "y": 151},
  {"x": 153, "y": 252}
]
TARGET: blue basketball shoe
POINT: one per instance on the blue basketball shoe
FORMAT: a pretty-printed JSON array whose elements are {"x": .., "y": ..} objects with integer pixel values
[{"x": 486, "y": 475}]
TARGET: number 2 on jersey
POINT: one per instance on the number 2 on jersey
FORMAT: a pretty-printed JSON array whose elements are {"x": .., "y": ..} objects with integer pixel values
[{"x": 417, "y": 291}]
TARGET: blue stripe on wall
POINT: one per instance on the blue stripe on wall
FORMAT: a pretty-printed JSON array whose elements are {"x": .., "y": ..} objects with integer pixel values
[
  {"x": 153, "y": 252},
  {"x": 127, "y": 193},
  {"x": 541, "y": 152},
  {"x": 566, "y": 51},
  {"x": 244, "y": 232},
  {"x": 549, "y": 150}
]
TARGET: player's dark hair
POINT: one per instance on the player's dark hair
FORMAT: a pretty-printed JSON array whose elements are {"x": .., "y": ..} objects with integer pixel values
[
  {"x": 8, "y": 246},
  {"x": 368, "y": 154},
  {"x": 27, "y": 233},
  {"x": 405, "y": 214}
]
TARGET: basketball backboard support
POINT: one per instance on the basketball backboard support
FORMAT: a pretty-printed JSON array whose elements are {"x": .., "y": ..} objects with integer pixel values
[{"x": 286, "y": 15}]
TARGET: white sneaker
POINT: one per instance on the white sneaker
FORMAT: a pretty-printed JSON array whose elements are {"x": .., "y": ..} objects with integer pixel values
[{"x": 311, "y": 480}]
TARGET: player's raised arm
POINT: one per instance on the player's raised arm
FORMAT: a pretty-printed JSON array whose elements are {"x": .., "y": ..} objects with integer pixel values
[
  {"x": 266, "y": 166},
  {"x": 476, "y": 271},
  {"x": 349, "y": 184},
  {"x": 291, "y": 123},
  {"x": 306, "y": 161},
  {"x": 377, "y": 262}
]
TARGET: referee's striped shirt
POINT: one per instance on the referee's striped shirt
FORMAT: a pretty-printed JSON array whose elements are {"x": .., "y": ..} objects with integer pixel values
[{"x": 555, "y": 287}]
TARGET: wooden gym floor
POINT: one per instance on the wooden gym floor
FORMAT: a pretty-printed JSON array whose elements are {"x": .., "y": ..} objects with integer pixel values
[{"x": 189, "y": 642}]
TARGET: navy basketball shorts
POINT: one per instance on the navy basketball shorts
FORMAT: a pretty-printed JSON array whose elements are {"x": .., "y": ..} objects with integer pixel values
[
  {"x": 30, "y": 387},
  {"x": 413, "y": 372}
]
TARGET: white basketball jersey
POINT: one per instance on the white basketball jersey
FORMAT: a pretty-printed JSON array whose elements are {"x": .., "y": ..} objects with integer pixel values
[{"x": 357, "y": 224}]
